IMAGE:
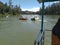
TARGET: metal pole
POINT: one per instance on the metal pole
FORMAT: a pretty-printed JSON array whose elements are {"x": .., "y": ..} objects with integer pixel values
[
  {"x": 42, "y": 30},
  {"x": 42, "y": 15},
  {"x": 40, "y": 37}
]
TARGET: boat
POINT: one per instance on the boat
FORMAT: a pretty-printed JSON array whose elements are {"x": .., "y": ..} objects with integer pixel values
[
  {"x": 23, "y": 18},
  {"x": 35, "y": 18}
]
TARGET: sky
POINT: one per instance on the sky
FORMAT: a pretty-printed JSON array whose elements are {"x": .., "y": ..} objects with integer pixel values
[{"x": 30, "y": 5}]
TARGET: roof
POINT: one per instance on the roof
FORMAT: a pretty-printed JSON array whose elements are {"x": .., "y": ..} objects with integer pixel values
[{"x": 47, "y": 0}]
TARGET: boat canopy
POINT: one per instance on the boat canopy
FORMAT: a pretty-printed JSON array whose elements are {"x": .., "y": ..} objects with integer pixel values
[{"x": 46, "y": 0}]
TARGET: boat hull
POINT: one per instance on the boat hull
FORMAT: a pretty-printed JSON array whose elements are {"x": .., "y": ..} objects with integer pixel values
[
  {"x": 34, "y": 19},
  {"x": 22, "y": 18}
]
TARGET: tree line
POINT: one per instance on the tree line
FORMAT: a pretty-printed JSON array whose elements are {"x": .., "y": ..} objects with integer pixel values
[
  {"x": 53, "y": 9},
  {"x": 7, "y": 9}
]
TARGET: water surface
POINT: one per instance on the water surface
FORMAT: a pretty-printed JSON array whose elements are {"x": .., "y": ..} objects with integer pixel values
[{"x": 17, "y": 32}]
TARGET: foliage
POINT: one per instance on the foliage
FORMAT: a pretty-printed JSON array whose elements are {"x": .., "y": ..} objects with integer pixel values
[
  {"x": 12, "y": 10},
  {"x": 54, "y": 9}
]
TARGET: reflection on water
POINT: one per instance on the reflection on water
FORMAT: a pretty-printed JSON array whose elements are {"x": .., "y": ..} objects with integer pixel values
[{"x": 17, "y": 32}]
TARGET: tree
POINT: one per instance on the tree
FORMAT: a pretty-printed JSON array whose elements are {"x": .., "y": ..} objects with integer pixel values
[
  {"x": 54, "y": 9},
  {"x": 9, "y": 9}
]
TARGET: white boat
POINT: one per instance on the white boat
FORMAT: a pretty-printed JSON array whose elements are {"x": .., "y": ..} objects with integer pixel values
[{"x": 35, "y": 18}]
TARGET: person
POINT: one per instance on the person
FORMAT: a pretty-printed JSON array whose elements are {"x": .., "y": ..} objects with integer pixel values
[{"x": 56, "y": 33}]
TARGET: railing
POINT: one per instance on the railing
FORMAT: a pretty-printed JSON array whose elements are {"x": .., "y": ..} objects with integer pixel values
[{"x": 40, "y": 38}]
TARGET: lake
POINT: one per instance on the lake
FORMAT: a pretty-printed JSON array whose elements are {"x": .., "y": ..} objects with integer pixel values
[{"x": 18, "y": 32}]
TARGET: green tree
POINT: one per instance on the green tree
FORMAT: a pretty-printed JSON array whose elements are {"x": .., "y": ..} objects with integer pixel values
[
  {"x": 9, "y": 9},
  {"x": 54, "y": 9}
]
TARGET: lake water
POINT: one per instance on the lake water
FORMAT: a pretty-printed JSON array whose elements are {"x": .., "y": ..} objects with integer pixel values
[{"x": 17, "y": 32}]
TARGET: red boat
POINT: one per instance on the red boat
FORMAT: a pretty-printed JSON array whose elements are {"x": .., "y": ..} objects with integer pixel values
[{"x": 22, "y": 18}]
